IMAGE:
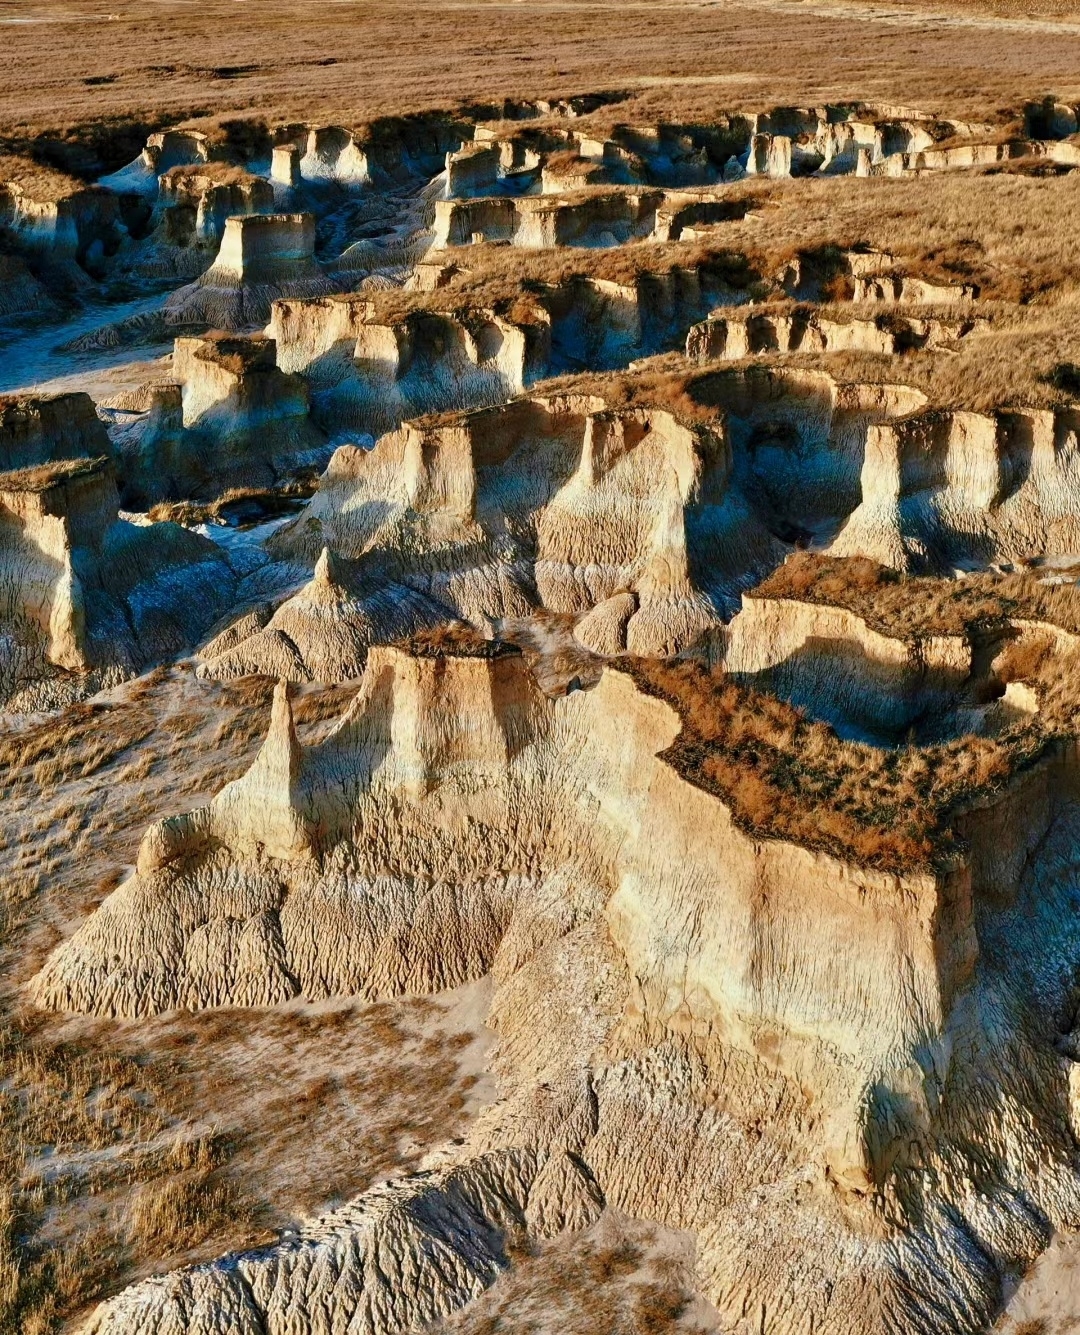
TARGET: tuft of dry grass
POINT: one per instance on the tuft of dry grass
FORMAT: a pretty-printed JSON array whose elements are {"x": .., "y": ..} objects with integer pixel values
[
  {"x": 264, "y": 500},
  {"x": 454, "y": 639},
  {"x": 907, "y": 607},
  {"x": 220, "y": 173},
  {"x": 38, "y": 180},
  {"x": 189, "y": 1202},
  {"x": 84, "y": 739},
  {"x": 785, "y": 776}
]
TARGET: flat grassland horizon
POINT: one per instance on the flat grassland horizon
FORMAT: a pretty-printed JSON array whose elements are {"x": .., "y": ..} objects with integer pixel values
[{"x": 82, "y": 70}]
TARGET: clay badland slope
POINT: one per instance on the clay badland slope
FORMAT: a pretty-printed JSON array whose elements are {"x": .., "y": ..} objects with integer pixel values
[
  {"x": 458, "y": 821},
  {"x": 766, "y": 854}
]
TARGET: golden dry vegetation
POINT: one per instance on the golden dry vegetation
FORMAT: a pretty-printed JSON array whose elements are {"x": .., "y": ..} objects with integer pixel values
[
  {"x": 790, "y": 777},
  {"x": 83, "y": 71},
  {"x": 126, "y": 1148},
  {"x": 907, "y": 607},
  {"x": 618, "y": 1276}
]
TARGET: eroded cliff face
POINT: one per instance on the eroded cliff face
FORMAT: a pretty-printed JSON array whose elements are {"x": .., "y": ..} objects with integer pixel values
[
  {"x": 86, "y": 597},
  {"x": 458, "y": 821},
  {"x": 187, "y": 224},
  {"x": 261, "y": 257},
  {"x": 545, "y": 502},
  {"x": 944, "y": 488},
  {"x": 864, "y": 683},
  {"x": 367, "y": 375},
  {"x": 541, "y": 223},
  {"x": 36, "y": 429},
  {"x": 731, "y": 337},
  {"x": 81, "y": 226}
]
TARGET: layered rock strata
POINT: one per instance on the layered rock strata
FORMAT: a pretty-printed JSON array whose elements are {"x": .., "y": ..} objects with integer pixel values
[
  {"x": 747, "y": 1063},
  {"x": 941, "y": 489},
  {"x": 229, "y": 418},
  {"x": 550, "y": 502},
  {"x": 87, "y": 597},
  {"x": 369, "y": 373},
  {"x": 261, "y": 257},
  {"x": 731, "y": 337},
  {"x": 40, "y": 429}
]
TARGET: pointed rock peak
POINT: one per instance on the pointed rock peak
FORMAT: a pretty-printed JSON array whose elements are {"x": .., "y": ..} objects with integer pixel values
[
  {"x": 281, "y": 739},
  {"x": 326, "y": 568}
]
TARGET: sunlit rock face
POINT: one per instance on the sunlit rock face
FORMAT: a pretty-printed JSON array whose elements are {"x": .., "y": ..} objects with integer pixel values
[
  {"x": 656, "y": 650},
  {"x": 87, "y": 596},
  {"x": 261, "y": 257}
]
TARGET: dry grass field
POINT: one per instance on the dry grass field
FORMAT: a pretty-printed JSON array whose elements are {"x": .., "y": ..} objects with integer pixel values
[
  {"x": 78, "y": 67},
  {"x": 126, "y": 1148}
]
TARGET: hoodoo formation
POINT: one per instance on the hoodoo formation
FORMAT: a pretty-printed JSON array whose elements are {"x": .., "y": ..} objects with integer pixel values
[{"x": 539, "y": 713}]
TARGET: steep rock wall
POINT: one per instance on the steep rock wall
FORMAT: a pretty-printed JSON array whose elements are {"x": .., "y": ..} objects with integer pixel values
[
  {"x": 945, "y": 488},
  {"x": 85, "y": 593},
  {"x": 261, "y": 257},
  {"x": 828, "y": 661},
  {"x": 38, "y": 429},
  {"x": 793, "y": 1037}
]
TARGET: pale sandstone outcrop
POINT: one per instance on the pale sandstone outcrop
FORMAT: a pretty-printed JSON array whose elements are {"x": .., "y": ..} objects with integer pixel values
[
  {"x": 38, "y": 429},
  {"x": 732, "y": 1035},
  {"x": 917, "y": 291},
  {"x": 162, "y": 152},
  {"x": 544, "y": 222},
  {"x": 230, "y": 418},
  {"x": 323, "y": 632},
  {"x": 285, "y": 165},
  {"x": 83, "y": 225},
  {"x": 213, "y": 198},
  {"x": 370, "y": 376},
  {"x": 731, "y": 336},
  {"x": 233, "y": 390},
  {"x": 496, "y": 166},
  {"x": 384, "y": 152},
  {"x": 561, "y": 504},
  {"x": 430, "y": 276},
  {"x": 841, "y": 1080},
  {"x": 567, "y": 173},
  {"x": 799, "y": 440},
  {"x": 191, "y": 210},
  {"x": 943, "y": 488},
  {"x": 85, "y": 593},
  {"x": 673, "y": 155},
  {"x": 681, "y": 213},
  {"x": 544, "y": 500},
  {"x": 261, "y": 257},
  {"x": 174, "y": 148},
  {"x": 828, "y": 661},
  {"x": 863, "y": 139},
  {"x": 596, "y": 323}
]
